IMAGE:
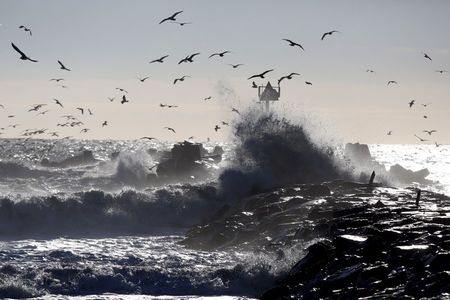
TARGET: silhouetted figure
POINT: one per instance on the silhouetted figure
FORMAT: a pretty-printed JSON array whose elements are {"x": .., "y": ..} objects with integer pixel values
[
  {"x": 289, "y": 77},
  {"x": 391, "y": 82},
  {"x": 62, "y": 66},
  {"x": 124, "y": 100},
  {"x": 23, "y": 56},
  {"x": 260, "y": 75},
  {"x": 235, "y": 66},
  {"x": 427, "y": 56},
  {"x": 293, "y": 44},
  {"x": 180, "y": 79},
  {"x": 26, "y": 29},
  {"x": 411, "y": 103},
  {"x": 58, "y": 102},
  {"x": 143, "y": 79},
  {"x": 220, "y": 54},
  {"x": 329, "y": 33},
  {"x": 172, "y": 17},
  {"x": 159, "y": 60}
]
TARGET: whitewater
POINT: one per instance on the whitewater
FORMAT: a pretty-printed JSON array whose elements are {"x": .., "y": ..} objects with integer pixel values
[{"x": 96, "y": 228}]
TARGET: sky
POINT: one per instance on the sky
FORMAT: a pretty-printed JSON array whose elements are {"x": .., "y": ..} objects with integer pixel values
[{"x": 109, "y": 43}]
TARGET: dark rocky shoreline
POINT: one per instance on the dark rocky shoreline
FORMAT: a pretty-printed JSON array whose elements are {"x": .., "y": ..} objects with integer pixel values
[{"x": 369, "y": 242}]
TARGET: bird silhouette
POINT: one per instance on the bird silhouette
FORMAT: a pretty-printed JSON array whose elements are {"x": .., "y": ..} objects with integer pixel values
[
  {"x": 442, "y": 71},
  {"x": 390, "y": 132},
  {"x": 159, "y": 60},
  {"x": 148, "y": 138},
  {"x": 391, "y": 82},
  {"x": 57, "y": 102},
  {"x": 170, "y": 129},
  {"x": 437, "y": 145},
  {"x": 235, "y": 110},
  {"x": 143, "y": 79},
  {"x": 90, "y": 112},
  {"x": 308, "y": 83},
  {"x": 207, "y": 98},
  {"x": 105, "y": 123},
  {"x": 180, "y": 79},
  {"x": 84, "y": 130},
  {"x": 289, "y": 77},
  {"x": 111, "y": 99},
  {"x": 81, "y": 110},
  {"x": 26, "y": 29},
  {"x": 182, "y": 23},
  {"x": 370, "y": 71},
  {"x": 329, "y": 33},
  {"x": 23, "y": 56},
  {"x": 189, "y": 58},
  {"x": 216, "y": 128},
  {"x": 124, "y": 100},
  {"x": 421, "y": 139},
  {"x": 62, "y": 66},
  {"x": 260, "y": 75},
  {"x": 235, "y": 66},
  {"x": 293, "y": 44},
  {"x": 426, "y": 56},
  {"x": 411, "y": 103},
  {"x": 430, "y": 132},
  {"x": 122, "y": 90},
  {"x": 172, "y": 17},
  {"x": 225, "y": 123},
  {"x": 36, "y": 107},
  {"x": 220, "y": 54},
  {"x": 254, "y": 85},
  {"x": 56, "y": 79}
]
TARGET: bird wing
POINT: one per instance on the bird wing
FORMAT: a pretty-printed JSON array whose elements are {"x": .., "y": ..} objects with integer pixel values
[
  {"x": 214, "y": 54},
  {"x": 176, "y": 14},
  {"x": 265, "y": 72},
  {"x": 288, "y": 40},
  {"x": 61, "y": 64},
  {"x": 324, "y": 35},
  {"x": 254, "y": 76},
  {"x": 18, "y": 50},
  {"x": 175, "y": 81},
  {"x": 294, "y": 74}
]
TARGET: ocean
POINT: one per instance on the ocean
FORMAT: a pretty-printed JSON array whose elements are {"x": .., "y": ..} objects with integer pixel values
[{"x": 100, "y": 227}]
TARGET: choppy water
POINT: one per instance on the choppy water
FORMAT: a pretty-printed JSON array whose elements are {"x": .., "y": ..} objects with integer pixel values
[{"x": 121, "y": 234}]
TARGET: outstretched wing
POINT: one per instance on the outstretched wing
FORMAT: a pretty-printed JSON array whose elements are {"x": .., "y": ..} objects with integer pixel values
[{"x": 18, "y": 50}]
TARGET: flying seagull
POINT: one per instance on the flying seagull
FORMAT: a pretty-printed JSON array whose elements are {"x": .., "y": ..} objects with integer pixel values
[
  {"x": 235, "y": 66},
  {"x": 148, "y": 138},
  {"x": 207, "y": 98},
  {"x": 392, "y": 82},
  {"x": 254, "y": 85},
  {"x": 308, "y": 83},
  {"x": 57, "y": 102},
  {"x": 260, "y": 75},
  {"x": 180, "y": 79},
  {"x": 293, "y": 44},
  {"x": 122, "y": 90},
  {"x": 159, "y": 60},
  {"x": 81, "y": 110},
  {"x": 235, "y": 110},
  {"x": 182, "y": 23},
  {"x": 426, "y": 104},
  {"x": 221, "y": 54},
  {"x": 170, "y": 128},
  {"x": 23, "y": 56},
  {"x": 56, "y": 79},
  {"x": 105, "y": 123},
  {"x": 189, "y": 58},
  {"x": 287, "y": 77},
  {"x": 421, "y": 139},
  {"x": 25, "y": 29},
  {"x": 430, "y": 132},
  {"x": 63, "y": 67},
  {"x": 143, "y": 79},
  {"x": 216, "y": 128},
  {"x": 111, "y": 99},
  {"x": 171, "y": 18},
  {"x": 370, "y": 71},
  {"x": 426, "y": 56},
  {"x": 442, "y": 71},
  {"x": 329, "y": 33},
  {"x": 390, "y": 132},
  {"x": 124, "y": 100},
  {"x": 411, "y": 103}
]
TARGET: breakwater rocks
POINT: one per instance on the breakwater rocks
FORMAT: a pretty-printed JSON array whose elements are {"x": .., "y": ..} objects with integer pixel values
[{"x": 365, "y": 242}]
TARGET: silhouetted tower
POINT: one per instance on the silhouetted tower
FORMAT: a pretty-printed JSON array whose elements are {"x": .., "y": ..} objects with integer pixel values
[{"x": 267, "y": 94}]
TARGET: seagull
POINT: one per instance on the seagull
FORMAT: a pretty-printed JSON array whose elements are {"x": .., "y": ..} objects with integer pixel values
[
  {"x": 63, "y": 67},
  {"x": 425, "y": 104},
  {"x": 159, "y": 60},
  {"x": 254, "y": 85},
  {"x": 235, "y": 110},
  {"x": 143, "y": 79},
  {"x": 43, "y": 112},
  {"x": 167, "y": 105},
  {"x": 148, "y": 138},
  {"x": 124, "y": 100},
  {"x": 293, "y": 44},
  {"x": 437, "y": 145},
  {"x": 207, "y": 98},
  {"x": 180, "y": 79},
  {"x": 442, "y": 71},
  {"x": 260, "y": 75},
  {"x": 308, "y": 83},
  {"x": 329, "y": 33},
  {"x": 171, "y": 18},
  {"x": 36, "y": 107},
  {"x": 225, "y": 123},
  {"x": 23, "y": 56},
  {"x": 1, "y": 105},
  {"x": 170, "y": 128},
  {"x": 189, "y": 58},
  {"x": 426, "y": 56},
  {"x": 392, "y": 82},
  {"x": 370, "y": 71},
  {"x": 390, "y": 132},
  {"x": 105, "y": 123},
  {"x": 122, "y": 90},
  {"x": 90, "y": 112},
  {"x": 216, "y": 128},
  {"x": 411, "y": 103},
  {"x": 84, "y": 130},
  {"x": 111, "y": 99},
  {"x": 54, "y": 133},
  {"x": 221, "y": 54},
  {"x": 182, "y": 23},
  {"x": 421, "y": 139},
  {"x": 425, "y": 117},
  {"x": 235, "y": 66},
  {"x": 57, "y": 102},
  {"x": 25, "y": 29},
  {"x": 430, "y": 132},
  {"x": 287, "y": 77},
  {"x": 81, "y": 110},
  {"x": 56, "y": 79}
]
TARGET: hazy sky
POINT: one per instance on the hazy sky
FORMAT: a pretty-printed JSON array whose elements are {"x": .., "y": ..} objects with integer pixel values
[{"x": 109, "y": 43}]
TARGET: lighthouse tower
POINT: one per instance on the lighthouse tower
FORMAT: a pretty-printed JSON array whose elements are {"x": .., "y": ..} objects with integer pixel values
[{"x": 267, "y": 93}]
